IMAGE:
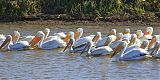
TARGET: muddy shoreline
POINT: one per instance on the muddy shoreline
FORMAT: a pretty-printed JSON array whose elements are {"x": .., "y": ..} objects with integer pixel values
[{"x": 52, "y": 23}]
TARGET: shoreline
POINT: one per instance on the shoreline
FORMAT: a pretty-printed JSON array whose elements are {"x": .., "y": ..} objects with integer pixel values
[{"x": 83, "y": 23}]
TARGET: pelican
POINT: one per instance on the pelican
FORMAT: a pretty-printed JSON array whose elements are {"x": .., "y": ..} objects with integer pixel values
[
  {"x": 134, "y": 54},
  {"x": 100, "y": 51},
  {"x": 139, "y": 34},
  {"x": 102, "y": 41},
  {"x": 147, "y": 34},
  {"x": 49, "y": 44},
  {"x": 115, "y": 43},
  {"x": 152, "y": 42},
  {"x": 134, "y": 40},
  {"x": 78, "y": 34},
  {"x": 155, "y": 52},
  {"x": 29, "y": 38},
  {"x": 79, "y": 45},
  {"x": 8, "y": 45},
  {"x": 126, "y": 33}
]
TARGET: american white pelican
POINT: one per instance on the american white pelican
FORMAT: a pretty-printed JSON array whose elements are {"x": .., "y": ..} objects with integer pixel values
[
  {"x": 79, "y": 45},
  {"x": 102, "y": 41},
  {"x": 147, "y": 34},
  {"x": 135, "y": 54},
  {"x": 49, "y": 44},
  {"x": 134, "y": 40},
  {"x": 139, "y": 34},
  {"x": 78, "y": 34},
  {"x": 155, "y": 52},
  {"x": 152, "y": 42},
  {"x": 100, "y": 51},
  {"x": 117, "y": 41},
  {"x": 126, "y": 33},
  {"x": 29, "y": 38},
  {"x": 8, "y": 45}
]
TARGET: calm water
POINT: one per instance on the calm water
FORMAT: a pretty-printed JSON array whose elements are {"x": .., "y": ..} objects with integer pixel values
[{"x": 55, "y": 65}]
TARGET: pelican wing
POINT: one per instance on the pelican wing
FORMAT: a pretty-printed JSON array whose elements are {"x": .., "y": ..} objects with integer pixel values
[
  {"x": 101, "y": 51},
  {"x": 21, "y": 45},
  {"x": 53, "y": 44}
]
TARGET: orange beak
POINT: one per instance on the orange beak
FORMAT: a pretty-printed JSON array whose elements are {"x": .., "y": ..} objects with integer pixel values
[
  {"x": 67, "y": 38},
  {"x": 146, "y": 33},
  {"x": 35, "y": 40},
  {"x": 4, "y": 43},
  {"x": 76, "y": 35}
]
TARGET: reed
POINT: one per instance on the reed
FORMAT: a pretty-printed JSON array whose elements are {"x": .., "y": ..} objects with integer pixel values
[{"x": 79, "y": 9}]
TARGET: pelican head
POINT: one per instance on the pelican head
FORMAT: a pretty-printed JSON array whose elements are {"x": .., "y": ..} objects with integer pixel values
[
  {"x": 108, "y": 41},
  {"x": 69, "y": 36},
  {"x": 7, "y": 41},
  {"x": 120, "y": 48},
  {"x": 144, "y": 44},
  {"x": 46, "y": 32},
  {"x": 139, "y": 33},
  {"x": 153, "y": 41},
  {"x": 97, "y": 37},
  {"x": 112, "y": 32},
  {"x": 148, "y": 31},
  {"x": 133, "y": 39},
  {"x": 119, "y": 36},
  {"x": 127, "y": 31},
  {"x": 78, "y": 34},
  {"x": 71, "y": 41},
  {"x": 15, "y": 36},
  {"x": 39, "y": 36}
]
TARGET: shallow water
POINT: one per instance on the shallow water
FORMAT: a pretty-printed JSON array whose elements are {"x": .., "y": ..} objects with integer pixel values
[{"x": 55, "y": 65}]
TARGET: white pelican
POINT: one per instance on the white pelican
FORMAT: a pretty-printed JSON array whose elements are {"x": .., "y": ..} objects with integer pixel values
[
  {"x": 152, "y": 42},
  {"x": 139, "y": 34},
  {"x": 115, "y": 43},
  {"x": 155, "y": 52},
  {"x": 102, "y": 41},
  {"x": 8, "y": 45},
  {"x": 134, "y": 40},
  {"x": 147, "y": 34},
  {"x": 126, "y": 33},
  {"x": 49, "y": 44},
  {"x": 29, "y": 38},
  {"x": 78, "y": 34},
  {"x": 100, "y": 51},
  {"x": 79, "y": 45},
  {"x": 135, "y": 54}
]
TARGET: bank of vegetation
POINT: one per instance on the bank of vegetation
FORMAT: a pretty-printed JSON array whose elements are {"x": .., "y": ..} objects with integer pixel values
[{"x": 107, "y": 10}]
